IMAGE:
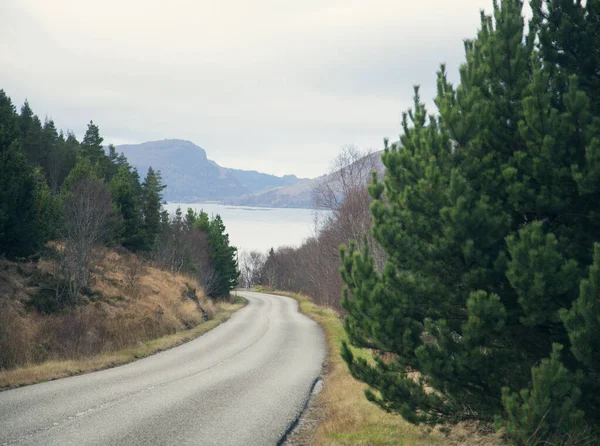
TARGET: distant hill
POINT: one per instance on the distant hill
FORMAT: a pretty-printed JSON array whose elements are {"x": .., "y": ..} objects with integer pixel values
[
  {"x": 300, "y": 194},
  {"x": 192, "y": 177}
]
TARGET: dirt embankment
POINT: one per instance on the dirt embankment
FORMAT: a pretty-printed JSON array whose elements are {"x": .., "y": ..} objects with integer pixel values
[{"x": 128, "y": 304}]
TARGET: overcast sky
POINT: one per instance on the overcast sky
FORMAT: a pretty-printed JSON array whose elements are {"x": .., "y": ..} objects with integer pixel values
[{"x": 273, "y": 85}]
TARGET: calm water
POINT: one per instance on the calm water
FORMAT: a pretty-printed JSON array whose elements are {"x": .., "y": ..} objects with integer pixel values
[{"x": 258, "y": 228}]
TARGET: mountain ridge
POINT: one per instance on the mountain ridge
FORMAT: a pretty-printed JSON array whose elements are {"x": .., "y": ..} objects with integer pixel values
[{"x": 191, "y": 176}]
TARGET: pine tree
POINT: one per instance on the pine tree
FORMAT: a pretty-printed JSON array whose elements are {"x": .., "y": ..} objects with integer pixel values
[
  {"x": 25, "y": 119},
  {"x": 190, "y": 219},
  {"x": 32, "y": 138},
  {"x": 9, "y": 122},
  {"x": 26, "y": 210},
  {"x": 269, "y": 274},
  {"x": 112, "y": 162},
  {"x": 488, "y": 215},
  {"x": 53, "y": 155},
  {"x": 91, "y": 145},
  {"x": 20, "y": 234},
  {"x": 151, "y": 205},
  {"x": 69, "y": 151},
  {"x": 223, "y": 257},
  {"x": 548, "y": 409},
  {"x": 582, "y": 321},
  {"x": 124, "y": 190},
  {"x": 82, "y": 170},
  {"x": 567, "y": 30}
]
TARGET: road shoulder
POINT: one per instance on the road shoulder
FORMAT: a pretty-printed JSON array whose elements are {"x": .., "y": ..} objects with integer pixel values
[
  {"x": 52, "y": 370},
  {"x": 341, "y": 415}
]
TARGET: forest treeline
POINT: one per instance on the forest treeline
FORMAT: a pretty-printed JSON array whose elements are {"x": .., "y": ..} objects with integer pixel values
[
  {"x": 477, "y": 286},
  {"x": 81, "y": 196}
]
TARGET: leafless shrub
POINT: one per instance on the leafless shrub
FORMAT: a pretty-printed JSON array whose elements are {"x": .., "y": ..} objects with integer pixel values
[
  {"x": 350, "y": 170},
  {"x": 15, "y": 337},
  {"x": 184, "y": 248},
  {"x": 313, "y": 268},
  {"x": 172, "y": 250},
  {"x": 251, "y": 268},
  {"x": 207, "y": 276},
  {"x": 134, "y": 269},
  {"x": 88, "y": 219}
]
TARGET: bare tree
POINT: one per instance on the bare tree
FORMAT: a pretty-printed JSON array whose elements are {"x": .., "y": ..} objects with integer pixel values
[
  {"x": 251, "y": 267},
  {"x": 208, "y": 277},
  {"x": 134, "y": 269},
  {"x": 88, "y": 219},
  {"x": 313, "y": 268},
  {"x": 350, "y": 170},
  {"x": 245, "y": 270}
]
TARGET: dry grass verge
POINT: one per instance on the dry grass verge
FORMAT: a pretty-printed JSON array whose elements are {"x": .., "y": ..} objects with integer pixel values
[
  {"x": 132, "y": 310},
  {"x": 352, "y": 420},
  {"x": 60, "y": 369}
]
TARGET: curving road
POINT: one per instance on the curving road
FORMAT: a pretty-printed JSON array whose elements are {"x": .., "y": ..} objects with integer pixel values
[{"x": 242, "y": 383}]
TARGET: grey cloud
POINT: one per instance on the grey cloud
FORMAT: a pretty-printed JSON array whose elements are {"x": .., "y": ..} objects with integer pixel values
[{"x": 270, "y": 85}]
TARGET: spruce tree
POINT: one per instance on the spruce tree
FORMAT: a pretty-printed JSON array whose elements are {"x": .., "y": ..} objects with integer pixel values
[
  {"x": 112, "y": 162},
  {"x": 32, "y": 138},
  {"x": 223, "y": 257},
  {"x": 91, "y": 145},
  {"x": 69, "y": 151},
  {"x": 124, "y": 190},
  {"x": 21, "y": 231},
  {"x": 9, "y": 122},
  {"x": 151, "y": 206},
  {"x": 53, "y": 155},
  {"x": 190, "y": 219},
  {"x": 82, "y": 170},
  {"x": 27, "y": 212},
  {"x": 488, "y": 216}
]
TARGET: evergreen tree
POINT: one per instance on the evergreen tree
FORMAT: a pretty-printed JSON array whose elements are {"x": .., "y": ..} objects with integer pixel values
[
  {"x": 32, "y": 138},
  {"x": 82, "y": 170},
  {"x": 26, "y": 210},
  {"x": 112, "y": 162},
  {"x": 202, "y": 221},
  {"x": 269, "y": 270},
  {"x": 69, "y": 148},
  {"x": 124, "y": 190},
  {"x": 20, "y": 234},
  {"x": 91, "y": 145},
  {"x": 223, "y": 256},
  {"x": 9, "y": 122},
  {"x": 567, "y": 30},
  {"x": 190, "y": 219},
  {"x": 151, "y": 205},
  {"x": 53, "y": 155},
  {"x": 25, "y": 120},
  {"x": 488, "y": 215},
  {"x": 48, "y": 212}
]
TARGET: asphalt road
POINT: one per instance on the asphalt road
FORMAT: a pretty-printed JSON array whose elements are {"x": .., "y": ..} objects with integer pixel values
[{"x": 242, "y": 383}]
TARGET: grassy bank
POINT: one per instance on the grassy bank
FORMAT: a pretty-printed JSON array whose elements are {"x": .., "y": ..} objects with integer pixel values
[
  {"x": 131, "y": 310},
  {"x": 50, "y": 370},
  {"x": 350, "y": 419}
]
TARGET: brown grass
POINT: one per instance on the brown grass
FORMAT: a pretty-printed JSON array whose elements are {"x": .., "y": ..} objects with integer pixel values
[
  {"x": 352, "y": 420},
  {"x": 135, "y": 310},
  {"x": 50, "y": 370}
]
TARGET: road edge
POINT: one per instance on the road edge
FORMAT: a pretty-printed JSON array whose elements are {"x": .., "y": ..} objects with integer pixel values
[
  {"x": 68, "y": 368},
  {"x": 312, "y": 407}
]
